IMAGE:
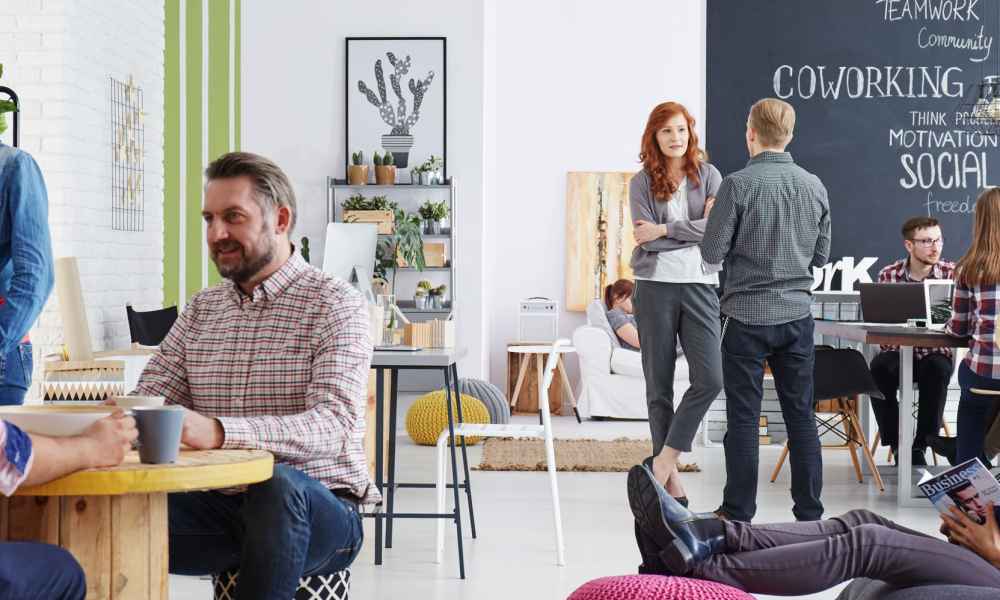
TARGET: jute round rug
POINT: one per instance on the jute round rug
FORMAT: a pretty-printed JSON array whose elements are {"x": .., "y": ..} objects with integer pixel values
[{"x": 509, "y": 454}]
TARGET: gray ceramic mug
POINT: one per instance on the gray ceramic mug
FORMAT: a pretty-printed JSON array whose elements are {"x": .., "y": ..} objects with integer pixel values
[{"x": 159, "y": 433}]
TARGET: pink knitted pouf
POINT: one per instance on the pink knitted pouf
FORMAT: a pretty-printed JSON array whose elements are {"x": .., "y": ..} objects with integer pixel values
[{"x": 655, "y": 587}]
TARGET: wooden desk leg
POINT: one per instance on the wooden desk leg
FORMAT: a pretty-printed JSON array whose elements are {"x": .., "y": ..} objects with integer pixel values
[
  {"x": 120, "y": 541},
  {"x": 561, "y": 366},
  {"x": 525, "y": 359}
]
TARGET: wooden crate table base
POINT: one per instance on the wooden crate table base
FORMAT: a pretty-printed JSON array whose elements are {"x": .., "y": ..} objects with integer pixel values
[
  {"x": 523, "y": 387},
  {"x": 114, "y": 520}
]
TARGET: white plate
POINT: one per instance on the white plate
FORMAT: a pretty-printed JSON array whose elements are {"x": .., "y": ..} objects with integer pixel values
[
  {"x": 130, "y": 402},
  {"x": 54, "y": 421}
]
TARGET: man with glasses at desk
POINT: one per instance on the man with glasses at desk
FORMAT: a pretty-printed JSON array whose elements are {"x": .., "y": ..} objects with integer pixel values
[{"x": 932, "y": 367}]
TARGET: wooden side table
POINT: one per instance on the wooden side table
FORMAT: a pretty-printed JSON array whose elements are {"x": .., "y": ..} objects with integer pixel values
[
  {"x": 114, "y": 520},
  {"x": 526, "y": 390}
]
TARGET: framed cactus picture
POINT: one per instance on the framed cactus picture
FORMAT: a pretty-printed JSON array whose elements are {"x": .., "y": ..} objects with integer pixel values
[{"x": 395, "y": 99}]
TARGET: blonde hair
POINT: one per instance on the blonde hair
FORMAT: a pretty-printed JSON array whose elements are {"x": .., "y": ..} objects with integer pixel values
[
  {"x": 981, "y": 264},
  {"x": 773, "y": 120}
]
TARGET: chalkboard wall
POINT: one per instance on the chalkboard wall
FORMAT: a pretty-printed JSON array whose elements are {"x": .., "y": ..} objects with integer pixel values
[{"x": 879, "y": 88}]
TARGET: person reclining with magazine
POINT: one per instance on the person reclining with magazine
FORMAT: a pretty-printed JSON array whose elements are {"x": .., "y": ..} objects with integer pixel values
[{"x": 772, "y": 558}]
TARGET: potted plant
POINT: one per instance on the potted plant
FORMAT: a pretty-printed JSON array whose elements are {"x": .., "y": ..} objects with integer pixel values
[
  {"x": 439, "y": 212},
  {"x": 420, "y": 295},
  {"x": 385, "y": 169},
  {"x": 409, "y": 243},
  {"x": 426, "y": 212},
  {"x": 357, "y": 172},
  {"x": 435, "y": 167},
  {"x": 379, "y": 210},
  {"x": 437, "y": 296}
]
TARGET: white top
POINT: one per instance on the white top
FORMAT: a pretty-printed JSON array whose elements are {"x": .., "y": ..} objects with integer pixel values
[{"x": 683, "y": 265}]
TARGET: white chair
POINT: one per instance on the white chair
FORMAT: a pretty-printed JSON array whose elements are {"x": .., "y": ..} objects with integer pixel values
[{"x": 509, "y": 430}]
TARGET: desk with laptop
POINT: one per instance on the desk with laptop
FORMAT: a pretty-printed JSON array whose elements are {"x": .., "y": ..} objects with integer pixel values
[{"x": 907, "y": 315}]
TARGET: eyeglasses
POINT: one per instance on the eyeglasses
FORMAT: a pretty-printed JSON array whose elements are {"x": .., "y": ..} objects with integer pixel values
[{"x": 928, "y": 242}]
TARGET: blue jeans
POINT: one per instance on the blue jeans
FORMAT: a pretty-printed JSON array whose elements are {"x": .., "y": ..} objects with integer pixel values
[
  {"x": 789, "y": 351},
  {"x": 16, "y": 379},
  {"x": 973, "y": 412},
  {"x": 277, "y": 531},
  {"x": 31, "y": 571}
]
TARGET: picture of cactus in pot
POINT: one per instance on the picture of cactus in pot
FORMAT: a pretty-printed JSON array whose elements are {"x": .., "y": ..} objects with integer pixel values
[{"x": 399, "y": 140}]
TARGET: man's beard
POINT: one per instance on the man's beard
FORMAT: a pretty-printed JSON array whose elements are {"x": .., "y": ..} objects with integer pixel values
[
  {"x": 248, "y": 266},
  {"x": 927, "y": 262}
]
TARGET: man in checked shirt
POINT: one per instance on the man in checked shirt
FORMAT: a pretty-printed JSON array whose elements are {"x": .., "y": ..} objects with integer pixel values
[
  {"x": 275, "y": 358},
  {"x": 932, "y": 367},
  {"x": 771, "y": 226}
]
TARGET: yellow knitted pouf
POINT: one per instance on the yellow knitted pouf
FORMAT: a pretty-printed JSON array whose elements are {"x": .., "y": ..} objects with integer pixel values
[{"x": 428, "y": 417}]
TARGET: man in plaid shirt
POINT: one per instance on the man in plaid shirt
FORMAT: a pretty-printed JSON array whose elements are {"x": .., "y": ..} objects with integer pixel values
[
  {"x": 276, "y": 358},
  {"x": 932, "y": 367}
]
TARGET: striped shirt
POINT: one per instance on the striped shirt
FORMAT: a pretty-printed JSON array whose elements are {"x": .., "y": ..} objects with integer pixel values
[
  {"x": 283, "y": 370},
  {"x": 974, "y": 314},
  {"x": 16, "y": 457},
  {"x": 898, "y": 272},
  {"x": 771, "y": 225}
]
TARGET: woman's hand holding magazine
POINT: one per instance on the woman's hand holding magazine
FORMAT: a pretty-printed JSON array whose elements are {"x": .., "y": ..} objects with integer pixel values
[{"x": 983, "y": 539}]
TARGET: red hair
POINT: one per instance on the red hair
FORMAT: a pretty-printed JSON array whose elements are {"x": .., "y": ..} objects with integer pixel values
[
  {"x": 653, "y": 159},
  {"x": 616, "y": 291}
]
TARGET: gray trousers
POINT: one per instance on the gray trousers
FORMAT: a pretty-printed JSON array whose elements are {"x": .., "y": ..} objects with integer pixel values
[
  {"x": 664, "y": 311},
  {"x": 806, "y": 557}
]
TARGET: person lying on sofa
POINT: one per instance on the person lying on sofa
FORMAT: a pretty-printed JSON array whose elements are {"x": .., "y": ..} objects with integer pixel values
[
  {"x": 618, "y": 302},
  {"x": 806, "y": 557}
]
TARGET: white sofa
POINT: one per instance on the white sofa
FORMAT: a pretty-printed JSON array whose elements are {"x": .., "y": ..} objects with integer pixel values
[{"x": 611, "y": 379}]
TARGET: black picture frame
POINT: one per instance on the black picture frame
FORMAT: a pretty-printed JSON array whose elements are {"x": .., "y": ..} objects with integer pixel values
[{"x": 361, "y": 71}]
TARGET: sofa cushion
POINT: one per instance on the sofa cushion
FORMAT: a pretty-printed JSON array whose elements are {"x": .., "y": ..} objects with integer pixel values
[
  {"x": 869, "y": 589},
  {"x": 598, "y": 317},
  {"x": 626, "y": 362}
]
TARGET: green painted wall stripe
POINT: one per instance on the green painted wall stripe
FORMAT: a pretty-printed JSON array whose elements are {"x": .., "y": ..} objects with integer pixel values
[
  {"x": 238, "y": 103},
  {"x": 171, "y": 156},
  {"x": 218, "y": 91},
  {"x": 181, "y": 281},
  {"x": 193, "y": 244}
]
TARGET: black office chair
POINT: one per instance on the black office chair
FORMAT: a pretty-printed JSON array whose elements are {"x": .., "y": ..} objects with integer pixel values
[
  {"x": 839, "y": 376},
  {"x": 150, "y": 327}
]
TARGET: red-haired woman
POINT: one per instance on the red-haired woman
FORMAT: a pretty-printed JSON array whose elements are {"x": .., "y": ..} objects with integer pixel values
[
  {"x": 674, "y": 294},
  {"x": 618, "y": 302}
]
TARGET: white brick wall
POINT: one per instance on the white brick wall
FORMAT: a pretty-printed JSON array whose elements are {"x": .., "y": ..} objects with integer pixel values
[{"x": 58, "y": 55}]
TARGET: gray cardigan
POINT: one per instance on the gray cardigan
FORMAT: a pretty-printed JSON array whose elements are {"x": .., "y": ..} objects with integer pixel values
[{"x": 680, "y": 233}]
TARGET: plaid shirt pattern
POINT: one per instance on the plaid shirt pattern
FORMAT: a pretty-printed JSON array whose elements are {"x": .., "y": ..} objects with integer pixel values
[
  {"x": 770, "y": 225},
  {"x": 283, "y": 370},
  {"x": 974, "y": 314},
  {"x": 898, "y": 272}
]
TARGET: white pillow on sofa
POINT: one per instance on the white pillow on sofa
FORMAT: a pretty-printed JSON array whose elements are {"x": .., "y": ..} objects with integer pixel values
[{"x": 597, "y": 316}]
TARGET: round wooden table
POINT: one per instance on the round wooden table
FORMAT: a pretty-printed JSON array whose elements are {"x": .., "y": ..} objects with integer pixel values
[{"x": 114, "y": 520}]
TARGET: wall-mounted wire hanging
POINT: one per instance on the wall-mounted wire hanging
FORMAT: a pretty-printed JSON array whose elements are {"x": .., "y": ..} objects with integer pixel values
[{"x": 127, "y": 156}]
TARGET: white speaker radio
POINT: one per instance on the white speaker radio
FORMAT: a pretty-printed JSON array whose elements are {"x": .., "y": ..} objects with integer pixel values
[{"x": 538, "y": 320}]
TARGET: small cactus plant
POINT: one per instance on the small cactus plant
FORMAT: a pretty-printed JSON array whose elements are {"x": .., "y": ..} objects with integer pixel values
[
  {"x": 377, "y": 159},
  {"x": 358, "y": 158},
  {"x": 388, "y": 160}
]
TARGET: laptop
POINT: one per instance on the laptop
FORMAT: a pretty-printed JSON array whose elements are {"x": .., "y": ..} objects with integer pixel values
[{"x": 893, "y": 302}]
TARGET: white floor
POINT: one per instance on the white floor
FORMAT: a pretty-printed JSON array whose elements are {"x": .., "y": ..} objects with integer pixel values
[{"x": 514, "y": 555}]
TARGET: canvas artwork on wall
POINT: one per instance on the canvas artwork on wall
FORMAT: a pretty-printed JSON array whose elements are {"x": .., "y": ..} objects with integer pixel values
[
  {"x": 396, "y": 99},
  {"x": 599, "y": 240}
]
